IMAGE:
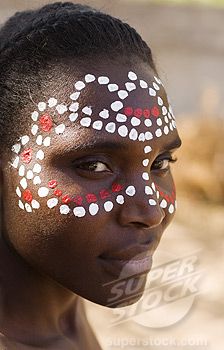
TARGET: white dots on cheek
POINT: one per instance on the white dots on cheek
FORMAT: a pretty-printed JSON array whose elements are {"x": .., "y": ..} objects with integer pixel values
[
  {"x": 163, "y": 204},
  {"x": 130, "y": 86},
  {"x": 52, "y": 202},
  {"x": 152, "y": 92},
  {"x": 87, "y": 111},
  {"x": 122, "y": 94},
  {"x": 37, "y": 180},
  {"x": 18, "y": 192},
  {"x": 24, "y": 140},
  {"x": 85, "y": 122},
  {"x": 171, "y": 209},
  {"x": 42, "y": 106},
  {"x": 120, "y": 199},
  {"x": 130, "y": 191},
  {"x": 37, "y": 168},
  {"x": 132, "y": 76},
  {"x": 145, "y": 162},
  {"x": 40, "y": 155},
  {"x": 110, "y": 127},
  {"x": 64, "y": 209},
  {"x": 35, "y": 204},
  {"x": 123, "y": 131},
  {"x": 52, "y": 102},
  {"x": 113, "y": 87},
  {"x": 152, "y": 202},
  {"x": 34, "y": 129},
  {"x": 73, "y": 117},
  {"x": 133, "y": 135},
  {"x": 35, "y": 116},
  {"x": 79, "y": 85},
  {"x": 60, "y": 129},
  {"x": 74, "y": 107},
  {"x": 121, "y": 118},
  {"x": 103, "y": 80},
  {"x": 135, "y": 121},
  {"x": 39, "y": 140},
  {"x": 148, "y": 190},
  {"x": 29, "y": 175},
  {"x": 16, "y": 148},
  {"x": 97, "y": 125},
  {"x": 43, "y": 192},
  {"x": 104, "y": 114},
  {"x": 89, "y": 78},
  {"x": 145, "y": 176},
  {"x": 108, "y": 206},
  {"x": 47, "y": 141},
  {"x": 93, "y": 209},
  {"x": 79, "y": 212},
  {"x": 61, "y": 109},
  {"x": 147, "y": 149},
  {"x": 116, "y": 106},
  {"x": 22, "y": 170},
  {"x": 23, "y": 183}
]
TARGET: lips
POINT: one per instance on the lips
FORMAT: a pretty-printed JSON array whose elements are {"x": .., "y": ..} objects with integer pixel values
[{"x": 135, "y": 253}]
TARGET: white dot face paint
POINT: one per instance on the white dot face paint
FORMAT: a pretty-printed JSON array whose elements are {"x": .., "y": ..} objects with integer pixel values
[
  {"x": 108, "y": 206},
  {"x": 112, "y": 120}
]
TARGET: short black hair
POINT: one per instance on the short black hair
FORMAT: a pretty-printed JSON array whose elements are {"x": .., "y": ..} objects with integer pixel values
[{"x": 30, "y": 40}]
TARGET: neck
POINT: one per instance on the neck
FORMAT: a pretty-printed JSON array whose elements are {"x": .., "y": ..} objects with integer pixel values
[{"x": 36, "y": 310}]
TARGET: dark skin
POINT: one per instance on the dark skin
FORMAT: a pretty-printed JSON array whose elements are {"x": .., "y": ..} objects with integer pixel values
[{"x": 52, "y": 261}]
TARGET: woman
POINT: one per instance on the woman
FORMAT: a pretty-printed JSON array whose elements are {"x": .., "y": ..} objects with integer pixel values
[{"x": 87, "y": 137}]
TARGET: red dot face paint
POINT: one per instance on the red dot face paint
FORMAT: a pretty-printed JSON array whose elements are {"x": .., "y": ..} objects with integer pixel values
[
  {"x": 46, "y": 122},
  {"x": 117, "y": 187},
  {"x": 155, "y": 111},
  {"x": 78, "y": 200},
  {"x": 26, "y": 156},
  {"x": 27, "y": 196},
  {"x": 104, "y": 194},
  {"x": 58, "y": 193},
  {"x": 91, "y": 198},
  {"x": 146, "y": 113},
  {"x": 128, "y": 111},
  {"x": 138, "y": 112},
  {"x": 66, "y": 199},
  {"x": 52, "y": 184}
]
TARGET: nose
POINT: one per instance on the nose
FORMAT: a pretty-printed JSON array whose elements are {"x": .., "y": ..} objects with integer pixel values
[{"x": 141, "y": 210}]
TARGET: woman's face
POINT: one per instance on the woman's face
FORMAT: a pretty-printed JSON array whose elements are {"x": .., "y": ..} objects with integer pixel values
[{"x": 88, "y": 190}]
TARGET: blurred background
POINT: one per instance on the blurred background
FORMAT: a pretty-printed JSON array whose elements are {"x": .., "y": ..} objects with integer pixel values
[{"x": 187, "y": 39}]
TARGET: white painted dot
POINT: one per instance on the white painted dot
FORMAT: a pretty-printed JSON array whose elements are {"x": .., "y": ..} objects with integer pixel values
[
  {"x": 148, "y": 190},
  {"x": 42, "y": 106},
  {"x": 108, "y": 206},
  {"x": 60, "y": 129},
  {"x": 132, "y": 76},
  {"x": 16, "y": 148},
  {"x": 130, "y": 86},
  {"x": 121, "y": 118},
  {"x": 135, "y": 121},
  {"x": 153, "y": 186},
  {"x": 174, "y": 124},
  {"x": 148, "y": 122},
  {"x": 130, "y": 191},
  {"x": 74, "y": 107},
  {"x": 25, "y": 139},
  {"x": 152, "y": 202},
  {"x": 18, "y": 192},
  {"x": 123, "y": 130},
  {"x": 79, "y": 212},
  {"x": 37, "y": 168},
  {"x": 98, "y": 124},
  {"x": 147, "y": 149},
  {"x": 21, "y": 170},
  {"x": 116, "y": 106},
  {"x": 171, "y": 127},
  {"x": 52, "y": 202},
  {"x": 145, "y": 176},
  {"x": 160, "y": 101},
  {"x": 21, "y": 205},
  {"x": 155, "y": 86},
  {"x": 28, "y": 208},
  {"x": 23, "y": 183},
  {"x": 79, "y": 85},
  {"x": 170, "y": 116},
  {"x": 110, "y": 127},
  {"x": 39, "y": 140},
  {"x": 64, "y": 209},
  {"x": 120, "y": 199},
  {"x": 61, "y": 109},
  {"x": 158, "y": 133},
  {"x": 89, "y": 78},
  {"x": 133, "y": 135},
  {"x": 159, "y": 121},
  {"x": 148, "y": 135},
  {"x": 158, "y": 80},
  {"x": 87, "y": 110},
  {"x": 152, "y": 92},
  {"x": 35, "y": 116},
  {"x": 15, "y": 163},
  {"x": 122, "y": 94},
  {"x": 171, "y": 209},
  {"x": 34, "y": 129},
  {"x": 166, "y": 130},
  {"x": 37, "y": 180},
  {"x": 164, "y": 110},
  {"x": 40, "y": 155},
  {"x": 143, "y": 84},
  {"x": 113, "y": 87},
  {"x": 145, "y": 162},
  {"x": 47, "y": 141},
  {"x": 43, "y": 192},
  {"x": 75, "y": 96},
  {"x": 29, "y": 175},
  {"x": 35, "y": 204},
  {"x": 85, "y": 122},
  {"x": 104, "y": 114},
  {"x": 52, "y": 102},
  {"x": 157, "y": 194},
  {"x": 166, "y": 119},
  {"x": 163, "y": 204},
  {"x": 73, "y": 117},
  {"x": 141, "y": 137},
  {"x": 93, "y": 209},
  {"x": 103, "y": 80}
]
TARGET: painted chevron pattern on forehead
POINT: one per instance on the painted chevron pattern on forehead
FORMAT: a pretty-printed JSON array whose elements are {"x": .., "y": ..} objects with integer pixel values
[{"x": 43, "y": 129}]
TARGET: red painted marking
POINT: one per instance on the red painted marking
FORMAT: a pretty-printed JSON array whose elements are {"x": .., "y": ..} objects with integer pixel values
[
  {"x": 116, "y": 187},
  {"x": 57, "y": 193},
  {"x": 104, "y": 194},
  {"x": 27, "y": 196},
  {"x": 46, "y": 122},
  {"x": 170, "y": 198},
  {"x": 66, "y": 199},
  {"x": 138, "y": 112},
  {"x": 146, "y": 113},
  {"x": 155, "y": 111},
  {"x": 52, "y": 184},
  {"x": 78, "y": 200},
  {"x": 91, "y": 198},
  {"x": 128, "y": 111},
  {"x": 26, "y": 156}
]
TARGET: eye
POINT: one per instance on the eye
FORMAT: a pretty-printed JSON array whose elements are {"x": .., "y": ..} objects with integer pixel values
[
  {"x": 93, "y": 166},
  {"x": 163, "y": 163}
]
